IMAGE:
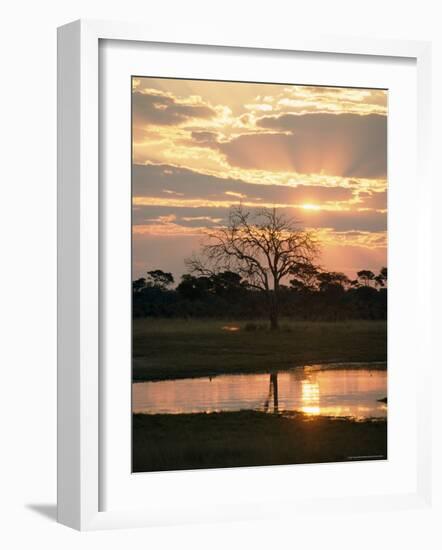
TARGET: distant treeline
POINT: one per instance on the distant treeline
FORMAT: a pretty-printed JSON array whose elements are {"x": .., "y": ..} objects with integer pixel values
[{"x": 312, "y": 294}]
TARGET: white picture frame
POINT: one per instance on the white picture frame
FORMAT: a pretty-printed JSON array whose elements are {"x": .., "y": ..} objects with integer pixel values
[{"x": 80, "y": 265}]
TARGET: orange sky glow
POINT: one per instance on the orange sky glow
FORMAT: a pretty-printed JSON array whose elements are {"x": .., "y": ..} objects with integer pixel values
[{"x": 319, "y": 154}]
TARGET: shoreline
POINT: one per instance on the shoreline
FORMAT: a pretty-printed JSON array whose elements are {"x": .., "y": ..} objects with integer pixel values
[{"x": 313, "y": 367}]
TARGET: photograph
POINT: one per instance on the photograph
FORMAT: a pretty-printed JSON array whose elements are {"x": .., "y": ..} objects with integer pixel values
[{"x": 259, "y": 273}]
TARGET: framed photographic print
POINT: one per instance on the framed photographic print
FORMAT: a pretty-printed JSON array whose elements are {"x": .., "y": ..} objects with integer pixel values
[
  {"x": 233, "y": 234},
  {"x": 256, "y": 323}
]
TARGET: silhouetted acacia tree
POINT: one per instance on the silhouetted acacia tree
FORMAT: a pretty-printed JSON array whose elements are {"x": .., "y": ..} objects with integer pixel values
[
  {"x": 262, "y": 248},
  {"x": 192, "y": 287},
  {"x": 381, "y": 278},
  {"x": 332, "y": 280},
  {"x": 365, "y": 276},
  {"x": 159, "y": 279},
  {"x": 139, "y": 284},
  {"x": 304, "y": 277}
]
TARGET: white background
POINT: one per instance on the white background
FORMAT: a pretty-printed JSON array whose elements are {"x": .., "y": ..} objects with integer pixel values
[{"x": 28, "y": 277}]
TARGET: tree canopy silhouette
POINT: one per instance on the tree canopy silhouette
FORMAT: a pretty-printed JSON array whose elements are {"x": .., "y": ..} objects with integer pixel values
[
  {"x": 159, "y": 279},
  {"x": 263, "y": 248},
  {"x": 308, "y": 293}
]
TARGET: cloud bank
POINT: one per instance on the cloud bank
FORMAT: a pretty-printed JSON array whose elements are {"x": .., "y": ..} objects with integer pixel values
[{"x": 345, "y": 145}]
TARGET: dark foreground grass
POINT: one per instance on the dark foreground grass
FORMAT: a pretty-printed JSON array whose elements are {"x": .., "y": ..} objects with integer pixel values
[
  {"x": 249, "y": 438},
  {"x": 166, "y": 349}
]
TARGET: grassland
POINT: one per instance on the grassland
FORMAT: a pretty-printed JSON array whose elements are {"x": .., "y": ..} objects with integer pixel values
[
  {"x": 169, "y": 349},
  {"x": 250, "y": 438}
]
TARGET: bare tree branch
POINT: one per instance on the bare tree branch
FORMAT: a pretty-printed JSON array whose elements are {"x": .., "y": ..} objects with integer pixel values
[{"x": 263, "y": 248}]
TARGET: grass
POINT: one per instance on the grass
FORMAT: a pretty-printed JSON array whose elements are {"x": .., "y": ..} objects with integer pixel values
[
  {"x": 250, "y": 438},
  {"x": 167, "y": 349}
]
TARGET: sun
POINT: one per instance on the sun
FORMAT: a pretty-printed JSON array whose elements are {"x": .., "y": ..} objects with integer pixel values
[{"x": 309, "y": 206}]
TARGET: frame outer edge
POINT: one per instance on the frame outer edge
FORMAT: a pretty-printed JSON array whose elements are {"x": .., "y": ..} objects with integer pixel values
[
  {"x": 68, "y": 276},
  {"x": 89, "y": 367},
  {"x": 78, "y": 251},
  {"x": 427, "y": 246},
  {"x": 77, "y": 265}
]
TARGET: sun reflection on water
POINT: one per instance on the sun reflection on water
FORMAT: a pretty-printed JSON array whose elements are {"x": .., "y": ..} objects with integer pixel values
[{"x": 310, "y": 397}]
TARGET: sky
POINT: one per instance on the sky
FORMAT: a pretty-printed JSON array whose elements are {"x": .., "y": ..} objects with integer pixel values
[{"x": 318, "y": 154}]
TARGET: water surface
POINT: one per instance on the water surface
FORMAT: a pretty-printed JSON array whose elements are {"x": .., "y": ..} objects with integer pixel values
[{"x": 345, "y": 390}]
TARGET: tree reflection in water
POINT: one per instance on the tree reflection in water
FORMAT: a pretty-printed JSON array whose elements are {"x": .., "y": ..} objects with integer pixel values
[{"x": 273, "y": 393}]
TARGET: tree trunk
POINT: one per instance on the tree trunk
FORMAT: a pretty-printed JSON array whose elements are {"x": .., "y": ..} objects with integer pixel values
[
  {"x": 274, "y": 383},
  {"x": 274, "y": 308}
]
